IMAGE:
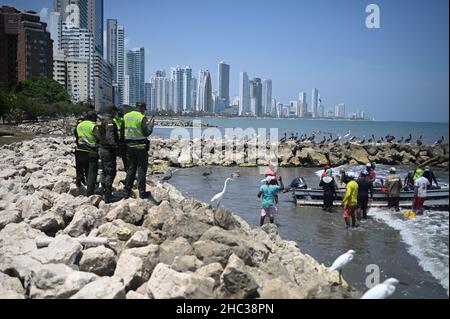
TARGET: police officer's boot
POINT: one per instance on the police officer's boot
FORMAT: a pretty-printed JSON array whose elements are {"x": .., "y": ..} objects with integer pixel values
[{"x": 109, "y": 198}]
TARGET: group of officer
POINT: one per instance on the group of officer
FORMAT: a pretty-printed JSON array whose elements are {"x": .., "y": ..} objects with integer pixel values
[{"x": 106, "y": 137}]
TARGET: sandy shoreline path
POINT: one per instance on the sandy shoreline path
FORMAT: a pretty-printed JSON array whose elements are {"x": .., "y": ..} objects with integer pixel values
[{"x": 173, "y": 247}]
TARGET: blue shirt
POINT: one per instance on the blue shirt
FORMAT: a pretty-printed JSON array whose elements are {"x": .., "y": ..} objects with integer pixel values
[{"x": 268, "y": 195}]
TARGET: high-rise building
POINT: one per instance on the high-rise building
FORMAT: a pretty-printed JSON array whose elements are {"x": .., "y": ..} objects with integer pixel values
[
  {"x": 161, "y": 86},
  {"x": 339, "y": 110},
  {"x": 244, "y": 96},
  {"x": 315, "y": 102},
  {"x": 78, "y": 43},
  {"x": 224, "y": 83},
  {"x": 136, "y": 73},
  {"x": 274, "y": 109},
  {"x": 55, "y": 32},
  {"x": 115, "y": 55},
  {"x": 103, "y": 86},
  {"x": 194, "y": 93},
  {"x": 204, "y": 94},
  {"x": 178, "y": 78},
  {"x": 187, "y": 89},
  {"x": 71, "y": 73},
  {"x": 95, "y": 23},
  {"x": 303, "y": 105},
  {"x": 26, "y": 49},
  {"x": 256, "y": 96},
  {"x": 126, "y": 90},
  {"x": 266, "y": 96},
  {"x": 148, "y": 96}
]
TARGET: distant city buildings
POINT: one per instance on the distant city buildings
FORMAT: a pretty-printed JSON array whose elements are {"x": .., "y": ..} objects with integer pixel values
[
  {"x": 26, "y": 48},
  {"x": 339, "y": 110},
  {"x": 266, "y": 96},
  {"x": 115, "y": 48},
  {"x": 136, "y": 73},
  {"x": 244, "y": 94},
  {"x": 224, "y": 86},
  {"x": 315, "y": 102},
  {"x": 255, "y": 86}
]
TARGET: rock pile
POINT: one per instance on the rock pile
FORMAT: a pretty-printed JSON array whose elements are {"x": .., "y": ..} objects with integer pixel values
[{"x": 172, "y": 247}]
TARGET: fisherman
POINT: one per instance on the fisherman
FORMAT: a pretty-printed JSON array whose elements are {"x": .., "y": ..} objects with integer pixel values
[
  {"x": 394, "y": 186},
  {"x": 136, "y": 131},
  {"x": 409, "y": 181},
  {"x": 121, "y": 150},
  {"x": 268, "y": 192},
  {"x": 370, "y": 167},
  {"x": 420, "y": 192},
  {"x": 365, "y": 186},
  {"x": 429, "y": 174},
  {"x": 108, "y": 145},
  {"x": 329, "y": 190},
  {"x": 86, "y": 156},
  {"x": 350, "y": 201},
  {"x": 327, "y": 167}
]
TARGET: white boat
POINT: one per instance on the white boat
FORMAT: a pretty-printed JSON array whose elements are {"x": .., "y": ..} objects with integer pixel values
[{"x": 304, "y": 196}]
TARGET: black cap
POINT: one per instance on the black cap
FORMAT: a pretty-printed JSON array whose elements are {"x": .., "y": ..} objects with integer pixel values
[
  {"x": 141, "y": 104},
  {"x": 91, "y": 116}
]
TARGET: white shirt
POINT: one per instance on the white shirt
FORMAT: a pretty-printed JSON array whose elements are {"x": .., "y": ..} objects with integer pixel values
[{"x": 421, "y": 184}]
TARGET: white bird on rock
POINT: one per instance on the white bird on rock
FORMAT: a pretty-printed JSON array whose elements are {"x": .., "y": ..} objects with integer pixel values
[
  {"x": 219, "y": 197},
  {"x": 348, "y": 134},
  {"x": 383, "y": 290},
  {"x": 341, "y": 262}
]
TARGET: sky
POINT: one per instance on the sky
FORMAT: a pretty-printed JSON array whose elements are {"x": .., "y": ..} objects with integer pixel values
[{"x": 397, "y": 72}]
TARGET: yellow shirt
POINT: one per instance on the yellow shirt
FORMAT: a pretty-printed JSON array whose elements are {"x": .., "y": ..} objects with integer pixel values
[{"x": 351, "y": 195}]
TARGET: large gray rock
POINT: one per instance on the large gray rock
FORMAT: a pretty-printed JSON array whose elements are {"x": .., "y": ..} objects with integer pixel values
[
  {"x": 63, "y": 249},
  {"x": 50, "y": 222},
  {"x": 213, "y": 270},
  {"x": 225, "y": 219},
  {"x": 103, "y": 288},
  {"x": 135, "y": 265},
  {"x": 279, "y": 289},
  {"x": 184, "y": 226},
  {"x": 128, "y": 211},
  {"x": 84, "y": 220},
  {"x": 135, "y": 295},
  {"x": 236, "y": 282},
  {"x": 32, "y": 206},
  {"x": 186, "y": 263},
  {"x": 8, "y": 217},
  {"x": 139, "y": 239},
  {"x": 166, "y": 283},
  {"x": 57, "y": 281},
  {"x": 172, "y": 248},
  {"x": 98, "y": 260},
  {"x": 158, "y": 215},
  {"x": 210, "y": 252},
  {"x": 10, "y": 287}
]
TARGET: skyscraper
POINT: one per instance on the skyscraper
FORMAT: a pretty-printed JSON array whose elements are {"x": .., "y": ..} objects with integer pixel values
[
  {"x": 115, "y": 50},
  {"x": 178, "y": 92},
  {"x": 161, "y": 86},
  {"x": 303, "y": 104},
  {"x": 26, "y": 49},
  {"x": 244, "y": 96},
  {"x": 187, "y": 89},
  {"x": 256, "y": 96},
  {"x": 148, "y": 96},
  {"x": 224, "y": 83},
  {"x": 95, "y": 23},
  {"x": 194, "y": 94},
  {"x": 204, "y": 93},
  {"x": 136, "y": 73},
  {"x": 339, "y": 110},
  {"x": 266, "y": 96},
  {"x": 315, "y": 102}
]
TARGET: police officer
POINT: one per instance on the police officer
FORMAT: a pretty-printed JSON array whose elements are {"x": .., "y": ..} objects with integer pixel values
[
  {"x": 108, "y": 143},
  {"x": 86, "y": 153},
  {"x": 135, "y": 131},
  {"x": 121, "y": 150}
]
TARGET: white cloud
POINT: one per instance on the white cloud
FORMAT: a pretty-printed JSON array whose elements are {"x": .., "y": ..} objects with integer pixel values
[{"x": 44, "y": 14}]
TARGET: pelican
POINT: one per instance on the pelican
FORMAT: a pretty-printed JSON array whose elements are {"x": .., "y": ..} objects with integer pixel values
[
  {"x": 218, "y": 197},
  {"x": 408, "y": 140},
  {"x": 440, "y": 141},
  {"x": 383, "y": 290},
  {"x": 363, "y": 140},
  {"x": 372, "y": 139},
  {"x": 400, "y": 141},
  {"x": 419, "y": 141},
  {"x": 341, "y": 262},
  {"x": 381, "y": 140},
  {"x": 284, "y": 138}
]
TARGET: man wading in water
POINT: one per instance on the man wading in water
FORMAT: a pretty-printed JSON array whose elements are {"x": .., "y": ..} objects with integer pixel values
[{"x": 268, "y": 192}]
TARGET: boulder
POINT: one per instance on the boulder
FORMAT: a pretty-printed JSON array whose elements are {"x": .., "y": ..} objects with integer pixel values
[
  {"x": 62, "y": 186},
  {"x": 213, "y": 270},
  {"x": 236, "y": 282},
  {"x": 134, "y": 295},
  {"x": 62, "y": 250},
  {"x": 103, "y": 288},
  {"x": 224, "y": 219},
  {"x": 135, "y": 265},
  {"x": 172, "y": 248},
  {"x": 84, "y": 220},
  {"x": 166, "y": 283},
  {"x": 158, "y": 215},
  {"x": 209, "y": 251},
  {"x": 8, "y": 217},
  {"x": 57, "y": 281},
  {"x": 50, "y": 222},
  {"x": 127, "y": 211},
  {"x": 10, "y": 287},
  {"x": 186, "y": 263},
  {"x": 139, "y": 239},
  {"x": 98, "y": 260},
  {"x": 279, "y": 289}
]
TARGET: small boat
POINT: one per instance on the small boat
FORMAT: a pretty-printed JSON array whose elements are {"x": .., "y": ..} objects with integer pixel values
[{"x": 305, "y": 196}]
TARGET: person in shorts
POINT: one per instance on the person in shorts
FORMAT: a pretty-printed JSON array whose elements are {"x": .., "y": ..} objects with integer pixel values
[{"x": 268, "y": 192}]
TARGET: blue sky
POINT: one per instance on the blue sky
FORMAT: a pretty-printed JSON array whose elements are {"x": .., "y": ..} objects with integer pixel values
[{"x": 397, "y": 72}]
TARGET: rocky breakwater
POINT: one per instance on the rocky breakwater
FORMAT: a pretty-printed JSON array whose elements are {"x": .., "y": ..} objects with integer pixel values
[
  {"x": 229, "y": 152},
  {"x": 170, "y": 247}
]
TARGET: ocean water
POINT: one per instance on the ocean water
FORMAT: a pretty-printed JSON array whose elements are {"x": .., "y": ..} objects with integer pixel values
[
  {"x": 415, "y": 252},
  {"x": 431, "y": 132}
]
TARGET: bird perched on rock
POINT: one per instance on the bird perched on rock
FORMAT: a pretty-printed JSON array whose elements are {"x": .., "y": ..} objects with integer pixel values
[
  {"x": 218, "y": 197},
  {"x": 383, "y": 290},
  {"x": 400, "y": 141},
  {"x": 408, "y": 140},
  {"x": 341, "y": 262},
  {"x": 440, "y": 141},
  {"x": 419, "y": 141},
  {"x": 284, "y": 138}
]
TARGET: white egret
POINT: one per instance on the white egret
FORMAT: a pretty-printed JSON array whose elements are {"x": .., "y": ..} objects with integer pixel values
[
  {"x": 219, "y": 197},
  {"x": 348, "y": 134},
  {"x": 383, "y": 290},
  {"x": 341, "y": 262}
]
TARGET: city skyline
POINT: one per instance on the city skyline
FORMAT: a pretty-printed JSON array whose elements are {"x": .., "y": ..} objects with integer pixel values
[{"x": 367, "y": 69}]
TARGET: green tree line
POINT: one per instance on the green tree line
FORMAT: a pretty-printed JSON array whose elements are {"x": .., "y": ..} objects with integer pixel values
[{"x": 35, "y": 99}]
